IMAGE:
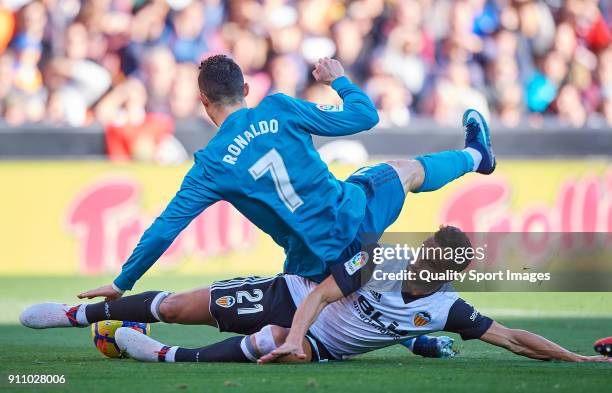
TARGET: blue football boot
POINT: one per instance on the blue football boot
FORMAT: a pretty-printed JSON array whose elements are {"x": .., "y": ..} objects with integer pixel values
[
  {"x": 478, "y": 137},
  {"x": 442, "y": 347}
]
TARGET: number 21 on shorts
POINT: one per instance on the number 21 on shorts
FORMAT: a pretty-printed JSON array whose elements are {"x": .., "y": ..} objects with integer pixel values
[{"x": 256, "y": 296}]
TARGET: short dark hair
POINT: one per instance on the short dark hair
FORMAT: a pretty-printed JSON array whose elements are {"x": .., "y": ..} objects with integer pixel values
[
  {"x": 454, "y": 238},
  {"x": 221, "y": 80}
]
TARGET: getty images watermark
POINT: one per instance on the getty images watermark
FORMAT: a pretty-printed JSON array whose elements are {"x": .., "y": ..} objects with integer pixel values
[
  {"x": 512, "y": 262},
  {"x": 444, "y": 256}
]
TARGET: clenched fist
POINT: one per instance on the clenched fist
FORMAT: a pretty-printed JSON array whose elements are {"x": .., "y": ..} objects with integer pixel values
[{"x": 327, "y": 70}]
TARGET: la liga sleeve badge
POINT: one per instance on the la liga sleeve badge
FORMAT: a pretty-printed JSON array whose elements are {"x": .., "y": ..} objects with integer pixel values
[{"x": 330, "y": 108}]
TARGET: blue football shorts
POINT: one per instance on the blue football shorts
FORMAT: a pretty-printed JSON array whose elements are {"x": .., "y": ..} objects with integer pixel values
[{"x": 385, "y": 199}]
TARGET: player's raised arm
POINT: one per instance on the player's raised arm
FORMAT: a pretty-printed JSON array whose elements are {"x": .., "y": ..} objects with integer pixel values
[
  {"x": 531, "y": 345},
  {"x": 192, "y": 198},
  {"x": 357, "y": 112}
]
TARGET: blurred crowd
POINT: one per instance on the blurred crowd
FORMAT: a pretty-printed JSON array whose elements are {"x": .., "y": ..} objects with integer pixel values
[{"x": 132, "y": 65}]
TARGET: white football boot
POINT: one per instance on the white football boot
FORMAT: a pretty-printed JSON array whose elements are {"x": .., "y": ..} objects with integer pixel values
[
  {"x": 140, "y": 346},
  {"x": 50, "y": 315}
]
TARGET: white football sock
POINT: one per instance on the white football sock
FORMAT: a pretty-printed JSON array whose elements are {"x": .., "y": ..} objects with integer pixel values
[
  {"x": 476, "y": 156},
  {"x": 81, "y": 317},
  {"x": 171, "y": 354}
]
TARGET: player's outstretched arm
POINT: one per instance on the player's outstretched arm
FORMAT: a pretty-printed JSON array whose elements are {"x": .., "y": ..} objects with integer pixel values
[
  {"x": 109, "y": 292},
  {"x": 327, "y": 292},
  {"x": 531, "y": 345},
  {"x": 192, "y": 198}
]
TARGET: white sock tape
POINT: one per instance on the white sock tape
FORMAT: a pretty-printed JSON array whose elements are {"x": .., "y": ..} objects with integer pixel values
[
  {"x": 248, "y": 349},
  {"x": 156, "y": 302},
  {"x": 170, "y": 355}
]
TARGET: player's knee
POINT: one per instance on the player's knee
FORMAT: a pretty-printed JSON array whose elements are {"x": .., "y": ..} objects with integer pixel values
[
  {"x": 410, "y": 173},
  {"x": 170, "y": 308},
  {"x": 269, "y": 338},
  {"x": 404, "y": 166},
  {"x": 279, "y": 334}
]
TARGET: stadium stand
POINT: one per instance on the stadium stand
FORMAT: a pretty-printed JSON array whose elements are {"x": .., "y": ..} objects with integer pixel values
[{"x": 119, "y": 66}]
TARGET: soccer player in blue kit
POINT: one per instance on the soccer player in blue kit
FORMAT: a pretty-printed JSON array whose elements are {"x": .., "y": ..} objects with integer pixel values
[{"x": 262, "y": 160}]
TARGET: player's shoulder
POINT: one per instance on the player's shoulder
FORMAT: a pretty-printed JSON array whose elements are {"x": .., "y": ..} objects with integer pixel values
[
  {"x": 276, "y": 99},
  {"x": 203, "y": 155},
  {"x": 283, "y": 107},
  {"x": 460, "y": 308},
  {"x": 466, "y": 320},
  {"x": 209, "y": 159},
  {"x": 284, "y": 101}
]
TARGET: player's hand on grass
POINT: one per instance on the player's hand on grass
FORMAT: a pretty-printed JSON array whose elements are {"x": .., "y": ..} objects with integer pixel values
[
  {"x": 594, "y": 359},
  {"x": 107, "y": 291},
  {"x": 286, "y": 349},
  {"x": 327, "y": 70}
]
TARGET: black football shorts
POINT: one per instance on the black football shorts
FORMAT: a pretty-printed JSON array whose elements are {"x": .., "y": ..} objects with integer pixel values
[{"x": 245, "y": 305}]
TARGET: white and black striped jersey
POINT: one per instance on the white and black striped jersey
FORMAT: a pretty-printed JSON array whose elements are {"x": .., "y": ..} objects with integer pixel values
[{"x": 379, "y": 314}]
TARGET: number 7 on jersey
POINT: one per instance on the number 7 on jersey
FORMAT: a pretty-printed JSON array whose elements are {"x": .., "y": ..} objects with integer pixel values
[{"x": 273, "y": 162}]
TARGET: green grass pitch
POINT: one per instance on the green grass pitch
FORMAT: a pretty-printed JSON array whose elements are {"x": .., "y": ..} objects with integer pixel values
[{"x": 573, "y": 320}]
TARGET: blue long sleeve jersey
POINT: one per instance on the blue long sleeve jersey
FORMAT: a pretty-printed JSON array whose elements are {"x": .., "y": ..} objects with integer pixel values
[{"x": 262, "y": 160}]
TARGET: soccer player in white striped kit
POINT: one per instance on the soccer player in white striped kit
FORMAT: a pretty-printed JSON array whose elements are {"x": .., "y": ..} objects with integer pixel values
[{"x": 346, "y": 315}]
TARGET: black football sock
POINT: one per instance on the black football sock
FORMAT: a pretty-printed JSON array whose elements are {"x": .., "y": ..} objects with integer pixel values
[
  {"x": 230, "y": 350},
  {"x": 143, "y": 307}
]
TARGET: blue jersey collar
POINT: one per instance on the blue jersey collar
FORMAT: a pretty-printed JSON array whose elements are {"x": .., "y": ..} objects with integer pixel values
[{"x": 231, "y": 117}]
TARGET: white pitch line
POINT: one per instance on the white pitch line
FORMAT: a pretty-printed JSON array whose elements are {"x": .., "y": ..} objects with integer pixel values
[{"x": 524, "y": 313}]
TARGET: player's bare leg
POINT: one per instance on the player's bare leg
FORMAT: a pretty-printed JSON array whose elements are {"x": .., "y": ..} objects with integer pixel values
[
  {"x": 234, "y": 349},
  {"x": 190, "y": 308},
  {"x": 187, "y": 308},
  {"x": 410, "y": 172}
]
